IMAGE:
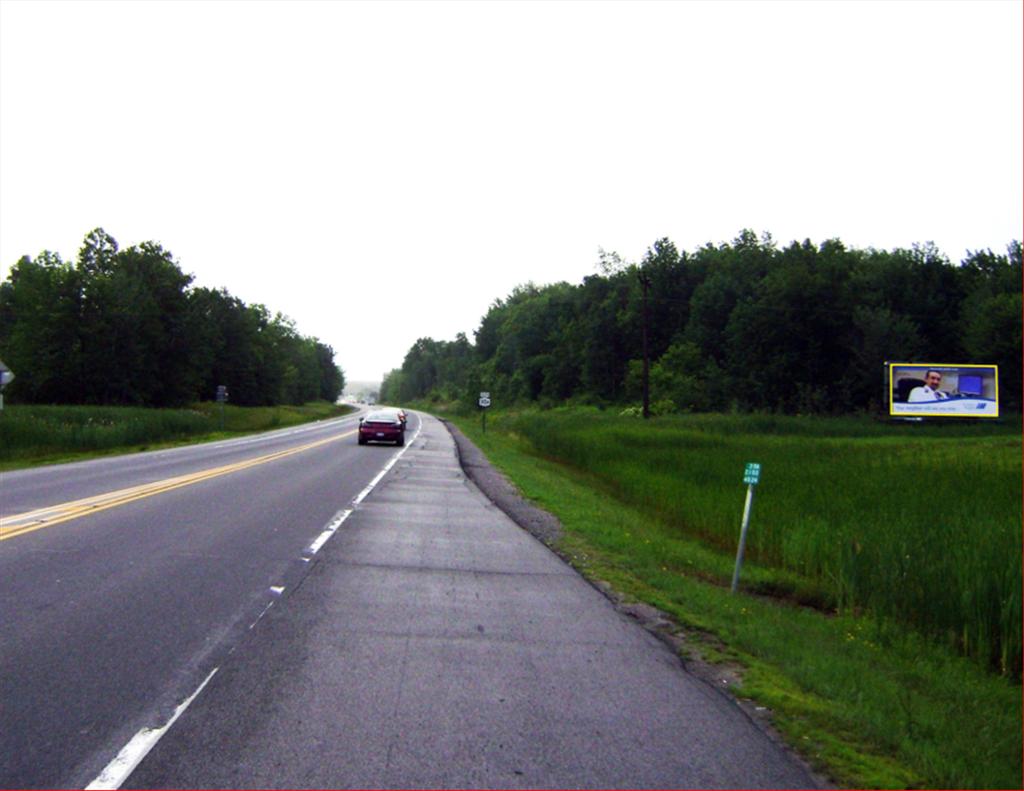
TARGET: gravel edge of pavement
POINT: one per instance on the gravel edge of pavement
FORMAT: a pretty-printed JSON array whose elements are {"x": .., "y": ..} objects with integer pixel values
[{"x": 546, "y": 528}]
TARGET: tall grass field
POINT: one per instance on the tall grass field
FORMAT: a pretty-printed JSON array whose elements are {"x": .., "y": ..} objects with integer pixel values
[
  {"x": 32, "y": 434},
  {"x": 878, "y": 611},
  {"x": 920, "y": 525}
]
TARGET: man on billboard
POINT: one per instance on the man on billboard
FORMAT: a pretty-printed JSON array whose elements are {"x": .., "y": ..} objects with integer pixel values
[{"x": 929, "y": 391}]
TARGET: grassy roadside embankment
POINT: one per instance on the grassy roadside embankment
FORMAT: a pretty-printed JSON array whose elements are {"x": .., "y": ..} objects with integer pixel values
[
  {"x": 879, "y": 617},
  {"x": 33, "y": 434}
]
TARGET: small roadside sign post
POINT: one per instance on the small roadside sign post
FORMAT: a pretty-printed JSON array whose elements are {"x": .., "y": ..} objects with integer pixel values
[
  {"x": 6, "y": 377},
  {"x": 751, "y": 477},
  {"x": 485, "y": 403},
  {"x": 222, "y": 396}
]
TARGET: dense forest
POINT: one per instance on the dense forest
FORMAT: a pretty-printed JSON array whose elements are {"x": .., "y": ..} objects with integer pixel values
[
  {"x": 126, "y": 327},
  {"x": 741, "y": 326}
]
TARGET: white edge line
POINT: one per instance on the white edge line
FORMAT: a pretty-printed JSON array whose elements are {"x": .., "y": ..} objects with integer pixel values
[
  {"x": 340, "y": 517},
  {"x": 118, "y": 770},
  {"x": 131, "y": 755},
  {"x": 328, "y": 531},
  {"x": 260, "y": 616}
]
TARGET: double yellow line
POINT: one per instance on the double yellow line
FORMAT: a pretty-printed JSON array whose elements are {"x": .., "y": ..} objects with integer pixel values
[{"x": 14, "y": 526}]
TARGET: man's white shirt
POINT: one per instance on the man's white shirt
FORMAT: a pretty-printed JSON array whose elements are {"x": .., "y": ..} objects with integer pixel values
[{"x": 925, "y": 393}]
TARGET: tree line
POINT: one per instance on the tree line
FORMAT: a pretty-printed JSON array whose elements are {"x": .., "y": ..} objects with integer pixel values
[
  {"x": 738, "y": 326},
  {"x": 126, "y": 327}
]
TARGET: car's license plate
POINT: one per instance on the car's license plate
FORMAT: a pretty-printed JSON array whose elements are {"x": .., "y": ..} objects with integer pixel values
[{"x": 380, "y": 433}]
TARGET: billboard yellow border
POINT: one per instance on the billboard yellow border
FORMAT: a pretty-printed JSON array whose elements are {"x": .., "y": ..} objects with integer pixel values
[{"x": 927, "y": 414}]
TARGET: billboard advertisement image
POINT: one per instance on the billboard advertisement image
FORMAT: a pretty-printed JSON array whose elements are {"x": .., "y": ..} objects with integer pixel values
[{"x": 932, "y": 390}]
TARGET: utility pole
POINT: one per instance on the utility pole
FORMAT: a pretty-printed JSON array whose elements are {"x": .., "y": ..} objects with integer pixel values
[{"x": 645, "y": 282}]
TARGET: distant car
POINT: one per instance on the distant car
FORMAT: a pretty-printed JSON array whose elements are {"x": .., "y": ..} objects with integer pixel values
[{"x": 381, "y": 426}]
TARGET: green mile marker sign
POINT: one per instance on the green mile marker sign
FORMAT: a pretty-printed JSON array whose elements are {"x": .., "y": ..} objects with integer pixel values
[{"x": 752, "y": 473}]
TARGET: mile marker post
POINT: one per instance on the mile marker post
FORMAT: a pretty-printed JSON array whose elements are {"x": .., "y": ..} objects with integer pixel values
[{"x": 751, "y": 476}]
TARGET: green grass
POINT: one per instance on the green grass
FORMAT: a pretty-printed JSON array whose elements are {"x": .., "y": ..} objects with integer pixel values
[
  {"x": 918, "y": 526},
  {"x": 34, "y": 434},
  {"x": 867, "y": 694}
]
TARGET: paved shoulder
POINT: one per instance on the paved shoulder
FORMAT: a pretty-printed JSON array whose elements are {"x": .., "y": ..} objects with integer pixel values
[
  {"x": 436, "y": 644},
  {"x": 499, "y": 491}
]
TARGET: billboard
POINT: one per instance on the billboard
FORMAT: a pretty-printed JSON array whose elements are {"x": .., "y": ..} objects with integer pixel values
[{"x": 931, "y": 390}]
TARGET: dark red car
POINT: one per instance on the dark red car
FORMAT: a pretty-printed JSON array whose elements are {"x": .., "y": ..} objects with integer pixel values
[
  {"x": 397, "y": 410},
  {"x": 381, "y": 426}
]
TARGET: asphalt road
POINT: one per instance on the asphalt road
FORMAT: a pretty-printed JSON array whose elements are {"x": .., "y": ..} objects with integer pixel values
[
  {"x": 435, "y": 644},
  {"x": 296, "y": 611},
  {"x": 114, "y": 611}
]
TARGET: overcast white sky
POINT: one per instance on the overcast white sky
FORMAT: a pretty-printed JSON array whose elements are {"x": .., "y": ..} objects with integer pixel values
[{"x": 384, "y": 171}]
